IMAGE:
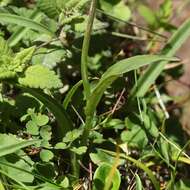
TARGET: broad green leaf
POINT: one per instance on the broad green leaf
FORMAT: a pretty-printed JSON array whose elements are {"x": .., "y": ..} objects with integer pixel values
[
  {"x": 183, "y": 185},
  {"x": 116, "y": 71},
  {"x": 22, "y": 21},
  {"x": 154, "y": 70},
  {"x": 41, "y": 119},
  {"x": 100, "y": 157},
  {"x": 65, "y": 182},
  {"x": 140, "y": 165},
  {"x": 38, "y": 76},
  {"x": 79, "y": 150},
  {"x": 32, "y": 128},
  {"x": 1, "y": 186},
  {"x": 10, "y": 144},
  {"x": 165, "y": 149},
  {"x": 166, "y": 9},
  {"x": 81, "y": 27},
  {"x": 138, "y": 183},
  {"x": 122, "y": 11},
  {"x": 148, "y": 14},
  {"x": 46, "y": 155},
  {"x": 64, "y": 121},
  {"x": 61, "y": 145},
  {"x": 114, "y": 124},
  {"x": 150, "y": 125},
  {"x": 45, "y": 132},
  {"x": 72, "y": 135},
  {"x": 135, "y": 137},
  {"x": 116, "y": 8},
  {"x": 20, "y": 160},
  {"x": 101, "y": 177}
]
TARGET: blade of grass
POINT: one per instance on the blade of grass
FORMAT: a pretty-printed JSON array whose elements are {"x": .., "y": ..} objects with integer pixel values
[
  {"x": 140, "y": 165},
  {"x": 22, "y": 21},
  {"x": 175, "y": 42},
  {"x": 138, "y": 183},
  {"x": 40, "y": 177},
  {"x": 116, "y": 71},
  {"x": 108, "y": 78},
  {"x": 85, "y": 49},
  {"x": 70, "y": 94},
  {"x": 132, "y": 24},
  {"x": 20, "y": 183}
]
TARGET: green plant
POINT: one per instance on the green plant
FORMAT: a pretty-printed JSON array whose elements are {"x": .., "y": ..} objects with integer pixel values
[{"x": 62, "y": 132}]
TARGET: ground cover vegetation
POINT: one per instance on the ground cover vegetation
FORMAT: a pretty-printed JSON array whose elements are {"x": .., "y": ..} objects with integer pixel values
[{"x": 83, "y": 103}]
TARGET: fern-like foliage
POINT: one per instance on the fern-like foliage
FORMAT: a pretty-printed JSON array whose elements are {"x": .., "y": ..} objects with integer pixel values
[
  {"x": 49, "y": 7},
  {"x": 64, "y": 8},
  {"x": 10, "y": 63},
  {"x": 39, "y": 76}
]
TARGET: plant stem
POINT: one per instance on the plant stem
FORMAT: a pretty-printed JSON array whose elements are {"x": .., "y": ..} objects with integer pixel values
[
  {"x": 85, "y": 49},
  {"x": 75, "y": 165},
  {"x": 88, "y": 126}
]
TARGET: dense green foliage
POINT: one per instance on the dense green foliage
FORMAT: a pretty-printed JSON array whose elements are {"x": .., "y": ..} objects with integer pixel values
[{"x": 79, "y": 108}]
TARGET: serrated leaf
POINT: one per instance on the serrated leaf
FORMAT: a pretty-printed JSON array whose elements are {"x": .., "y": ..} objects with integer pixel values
[
  {"x": 46, "y": 155},
  {"x": 4, "y": 48},
  {"x": 23, "y": 57},
  {"x": 10, "y": 65},
  {"x": 38, "y": 76},
  {"x": 49, "y": 7}
]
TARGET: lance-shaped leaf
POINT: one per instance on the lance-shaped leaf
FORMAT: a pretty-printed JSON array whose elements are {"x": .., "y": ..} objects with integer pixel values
[
  {"x": 152, "y": 73},
  {"x": 22, "y": 21},
  {"x": 116, "y": 71},
  {"x": 10, "y": 144}
]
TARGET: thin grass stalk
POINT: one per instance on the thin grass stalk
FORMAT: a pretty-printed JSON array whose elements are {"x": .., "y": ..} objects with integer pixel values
[{"x": 85, "y": 49}]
